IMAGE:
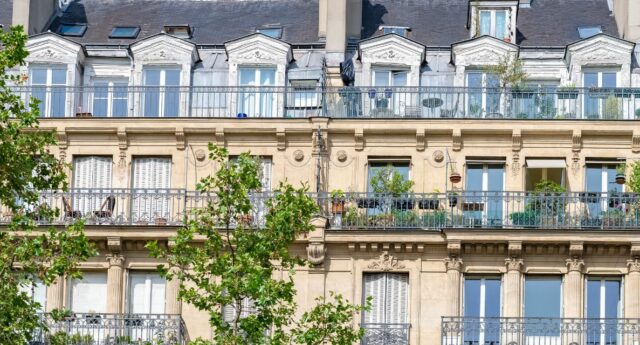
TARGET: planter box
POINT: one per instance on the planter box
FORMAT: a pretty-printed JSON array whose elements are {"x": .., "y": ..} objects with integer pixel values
[{"x": 368, "y": 202}]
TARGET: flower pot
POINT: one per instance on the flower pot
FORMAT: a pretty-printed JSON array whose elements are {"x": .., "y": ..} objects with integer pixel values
[
  {"x": 507, "y": 39},
  {"x": 245, "y": 219},
  {"x": 620, "y": 179},
  {"x": 429, "y": 204},
  {"x": 372, "y": 93},
  {"x": 453, "y": 200},
  {"x": 388, "y": 93},
  {"x": 589, "y": 198},
  {"x": 337, "y": 206},
  {"x": 83, "y": 115},
  {"x": 455, "y": 177},
  {"x": 160, "y": 221}
]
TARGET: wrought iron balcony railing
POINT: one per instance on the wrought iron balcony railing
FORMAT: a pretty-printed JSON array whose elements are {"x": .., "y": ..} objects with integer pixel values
[
  {"x": 112, "y": 329},
  {"x": 570, "y": 210},
  {"x": 539, "y": 331},
  {"x": 347, "y": 102},
  {"x": 385, "y": 334}
]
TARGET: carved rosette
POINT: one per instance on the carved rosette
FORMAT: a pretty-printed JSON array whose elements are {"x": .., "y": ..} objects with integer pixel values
[
  {"x": 386, "y": 262},
  {"x": 453, "y": 263},
  {"x": 575, "y": 265},
  {"x": 514, "y": 264},
  {"x": 633, "y": 265},
  {"x": 115, "y": 260},
  {"x": 316, "y": 252}
]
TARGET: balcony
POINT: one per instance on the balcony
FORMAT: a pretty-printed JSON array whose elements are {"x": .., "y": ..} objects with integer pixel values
[
  {"x": 539, "y": 331},
  {"x": 346, "y": 102},
  {"x": 385, "y": 334},
  {"x": 111, "y": 329},
  {"x": 484, "y": 210}
]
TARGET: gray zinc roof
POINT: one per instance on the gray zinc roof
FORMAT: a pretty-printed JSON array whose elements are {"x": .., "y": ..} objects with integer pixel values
[
  {"x": 6, "y": 11},
  {"x": 213, "y": 21}
]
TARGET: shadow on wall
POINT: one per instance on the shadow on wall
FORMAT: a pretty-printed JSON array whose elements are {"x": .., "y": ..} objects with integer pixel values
[{"x": 371, "y": 18}]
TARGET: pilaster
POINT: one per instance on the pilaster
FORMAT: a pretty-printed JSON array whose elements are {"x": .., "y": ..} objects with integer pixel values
[
  {"x": 512, "y": 286},
  {"x": 55, "y": 295},
  {"x": 115, "y": 283},
  {"x": 454, "y": 266}
]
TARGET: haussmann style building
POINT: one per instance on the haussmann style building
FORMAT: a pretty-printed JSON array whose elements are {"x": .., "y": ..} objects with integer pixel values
[{"x": 331, "y": 92}]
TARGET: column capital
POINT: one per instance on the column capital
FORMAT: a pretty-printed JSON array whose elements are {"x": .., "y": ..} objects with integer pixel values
[
  {"x": 453, "y": 263},
  {"x": 514, "y": 264},
  {"x": 115, "y": 260},
  {"x": 575, "y": 265},
  {"x": 633, "y": 265}
]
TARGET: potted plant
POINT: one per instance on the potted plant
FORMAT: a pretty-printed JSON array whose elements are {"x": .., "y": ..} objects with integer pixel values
[
  {"x": 567, "y": 91},
  {"x": 391, "y": 192},
  {"x": 160, "y": 221},
  {"x": 436, "y": 219},
  {"x": 372, "y": 93},
  {"x": 527, "y": 218},
  {"x": 549, "y": 202},
  {"x": 637, "y": 113},
  {"x": 388, "y": 93},
  {"x": 589, "y": 197},
  {"x": 454, "y": 175},
  {"x": 620, "y": 173},
  {"x": 337, "y": 201},
  {"x": 612, "y": 110},
  {"x": 612, "y": 218},
  {"x": 453, "y": 199},
  {"x": 430, "y": 202}
]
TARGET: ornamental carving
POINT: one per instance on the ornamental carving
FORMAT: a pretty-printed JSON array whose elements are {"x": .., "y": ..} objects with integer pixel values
[
  {"x": 514, "y": 264},
  {"x": 256, "y": 55},
  {"x": 386, "y": 262},
  {"x": 633, "y": 265},
  {"x": 342, "y": 156},
  {"x": 388, "y": 55},
  {"x": 438, "y": 156},
  {"x": 115, "y": 260},
  {"x": 485, "y": 57},
  {"x": 600, "y": 55},
  {"x": 47, "y": 54},
  {"x": 575, "y": 265},
  {"x": 453, "y": 263},
  {"x": 316, "y": 252},
  {"x": 298, "y": 155}
]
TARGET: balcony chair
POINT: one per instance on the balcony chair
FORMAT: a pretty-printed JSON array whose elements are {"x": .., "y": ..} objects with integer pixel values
[
  {"x": 451, "y": 112},
  {"x": 69, "y": 212},
  {"x": 107, "y": 207}
]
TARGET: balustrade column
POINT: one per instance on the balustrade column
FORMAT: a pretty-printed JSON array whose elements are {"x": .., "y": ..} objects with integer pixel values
[
  {"x": 454, "y": 273},
  {"x": 573, "y": 288},
  {"x": 55, "y": 295},
  {"x": 114, "y": 283}
]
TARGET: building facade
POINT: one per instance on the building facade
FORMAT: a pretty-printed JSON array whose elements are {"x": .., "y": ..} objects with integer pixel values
[{"x": 329, "y": 92}]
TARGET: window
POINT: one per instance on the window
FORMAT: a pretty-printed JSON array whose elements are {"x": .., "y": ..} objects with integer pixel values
[
  {"x": 600, "y": 100},
  {"x": 146, "y": 293},
  {"x": 603, "y": 310},
  {"x": 600, "y": 186},
  {"x": 305, "y": 96},
  {"x": 124, "y": 32},
  {"x": 401, "y": 168},
  {"x": 247, "y": 307},
  {"x": 49, "y": 87},
  {"x": 151, "y": 183},
  {"x": 38, "y": 293},
  {"x": 390, "y": 293},
  {"x": 538, "y": 100},
  {"x": 482, "y": 300},
  {"x": 89, "y": 294},
  {"x": 484, "y": 95},
  {"x": 483, "y": 201},
  {"x": 543, "y": 305},
  {"x": 398, "y": 30},
  {"x": 256, "y": 98},
  {"x": 271, "y": 32},
  {"x": 493, "y": 23},
  {"x": 110, "y": 98},
  {"x": 388, "y": 96},
  {"x": 539, "y": 169},
  {"x": 180, "y": 31},
  {"x": 76, "y": 30},
  {"x": 588, "y": 31},
  {"x": 91, "y": 184},
  {"x": 161, "y": 92}
]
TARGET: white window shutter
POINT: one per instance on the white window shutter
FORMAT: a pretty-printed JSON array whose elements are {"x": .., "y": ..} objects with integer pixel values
[
  {"x": 153, "y": 173},
  {"x": 396, "y": 306},
  {"x": 266, "y": 173},
  {"x": 38, "y": 293},
  {"x": 158, "y": 294},
  {"x": 228, "y": 313},
  {"x": 374, "y": 287},
  {"x": 89, "y": 294},
  {"x": 147, "y": 293},
  {"x": 91, "y": 176}
]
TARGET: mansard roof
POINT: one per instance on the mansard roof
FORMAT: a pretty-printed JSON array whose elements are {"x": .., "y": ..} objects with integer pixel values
[
  {"x": 443, "y": 22},
  {"x": 6, "y": 11},
  {"x": 212, "y": 22}
]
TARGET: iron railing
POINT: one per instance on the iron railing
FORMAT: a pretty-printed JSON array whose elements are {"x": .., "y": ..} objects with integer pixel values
[
  {"x": 385, "y": 334},
  {"x": 346, "y": 102},
  {"x": 539, "y": 331},
  {"x": 569, "y": 210},
  {"x": 111, "y": 329}
]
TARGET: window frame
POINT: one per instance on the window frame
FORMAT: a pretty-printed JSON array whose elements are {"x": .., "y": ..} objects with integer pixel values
[
  {"x": 50, "y": 89},
  {"x": 133, "y": 35},
  {"x": 264, "y": 30},
  {"x": 493, "y": 22},
  {"x": 162, "y": 90},
  {"x": 112, "y": 86},
  {"x": 82, "y": 27}
]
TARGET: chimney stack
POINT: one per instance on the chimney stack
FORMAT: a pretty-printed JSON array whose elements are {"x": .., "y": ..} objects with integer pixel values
[{"x": 33, "y": 15}]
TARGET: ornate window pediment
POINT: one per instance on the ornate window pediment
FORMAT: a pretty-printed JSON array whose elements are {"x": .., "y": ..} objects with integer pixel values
[
  {"x": 599, "y": 50},
  {"x": 164, "y": 48},
  {"x": 482, "y": 51},
  {"x": 52, "y": 49},
  {"x": 391, "y": 49},
  {"x": 258, "y": 49}
]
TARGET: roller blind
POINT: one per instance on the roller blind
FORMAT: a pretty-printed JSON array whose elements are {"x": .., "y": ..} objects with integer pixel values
[
  {"x": 151, "y": 181},
  {"x": 390, "y": 297},
  {"x": 91, "y": 179},
  {"x": 89, "y": 294}
]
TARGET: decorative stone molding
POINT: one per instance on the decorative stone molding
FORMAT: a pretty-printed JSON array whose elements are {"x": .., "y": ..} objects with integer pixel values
[
  {"x": 49, "y": 48},
  {"x": 635, "y": 250},
  {"x": 115, "y": 260},
  {"x": 386, "y": 262},
  {"x": 180, "y": 140},
  {"x": 576, "y": 140},
  {"x": 162, "y": 49},
  {"x": 456, "y": 138},
  {"x": 281, "y": 139},
  {"x": 454, "y": 248},
  {"x": 391, "y": 50},
  {"x": 575, "y": 265},
  {"x": 359, "y": 139},
  {"x": 516, "y": 140},
  {"x": 515, "y": 163},
  {"x": 63, "y": 144},
  {"x": 478, "y": 53},
  {"x": 123, "y": 144},
  {"x": 420, "y": 140},
  {"x": 298, "y": 155},
  {"x": 341, "y": 156},
  {"x": 453, "y": 263},
  {"x": 438, "y": 156},
  {"x": 633, "y": 265},
  {"x": 514, "y": 264},
  {"x": 600, "y": 50},
  {"x": 219, "y": 136},
  {"x": 576, "y": 249},
  {"x": 114, "y": 244},
  {"x": 316, "y": 252},
  {"x": 514, "y": 249},
  {"x": 635, "y": 141}
]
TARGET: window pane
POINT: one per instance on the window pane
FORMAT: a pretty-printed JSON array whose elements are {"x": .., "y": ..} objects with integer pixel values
[
  {"x": 171, "y": 77},
  {"x": 381, "y": 78},
  {"x": 485, "y": 23},
  {"x": 120, "y": 100},
  {"x": 400, "y": 79},
  {"x": 152, "y": 77},
  {"x": 609, "y": 79},
  {"x": 247, "y": 76},
  {"x": 542, "y": 296},
  {"x": 151, "y": 93},
  {"x": 612, "y": 186},
  {"x": 496, "y": 177},
  {"x": 612, "y": 298},
  {"x": 492, "y": 297},
  {"x": 38, "y": 76},
  {"x": 590, "y": 79},
  {"x": 501, "y": 24},
  {"x": 472, "y": 297},
  {"x": 267, "y": 77},
  {"x": 474, "y": 177},
  {"x": 100, "y": 99},
  {"x": 58, "y": 76},
  {"x": 593, "y": 298},
  {"x": 58, "y": 100}
]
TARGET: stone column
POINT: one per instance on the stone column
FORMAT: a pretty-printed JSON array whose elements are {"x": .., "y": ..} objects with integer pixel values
[
  {"x": 114, "y": 283},
  {"x": 573, "y": 288},
  {"x": 632, "y": 290},
  {"x": 55, "y": 295},
  {"x": 454, "y": 273},
  {"x": 172, "y": 305},
  {"x": 512, "y": 287}
]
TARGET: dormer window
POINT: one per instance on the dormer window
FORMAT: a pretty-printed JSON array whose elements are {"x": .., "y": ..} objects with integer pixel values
[
  {"x": 588, "y": 31},
  {"x": 398, "y": 30},
  {"x": 180, "y": 31},
  {"x": 75, "y": 30},
  {"x": 273, "y": 32},
  {"x": 493, "y": 23}
]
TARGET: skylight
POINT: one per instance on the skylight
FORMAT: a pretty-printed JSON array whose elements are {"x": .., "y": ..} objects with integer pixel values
[
  {"x": 271, "y": 32},
  {"x": 588, "y": 31},
  {"x": 181, "y": 31},
  {"x": 398, "y": 30},
  {"x": 76, "y": 30},
  {"x": 124, "y": 32}
]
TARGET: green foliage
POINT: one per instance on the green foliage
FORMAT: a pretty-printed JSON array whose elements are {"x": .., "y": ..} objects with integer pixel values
[
  {"x": 548, "y": 186},
  {"x": 337, "y": 194},
  {"x": 637, "y": 112},
  {"x": 388, "y": 181},
  {"x": 547, "y": 199},
  {"x": 510, "y": 71},
  {"x": 612, "y": 108},
  {"x": 621, "y": 169},
  {"x": 633, "y": 182},
  {"x": 233, "y": 263},
  {"x": 525, "y": 218},
  {"x": 28, "y": 252},
  {"x": 63, "y": 338}
]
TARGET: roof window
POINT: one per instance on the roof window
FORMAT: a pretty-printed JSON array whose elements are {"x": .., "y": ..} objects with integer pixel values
[
  {"x": 76, "y": 30},
  {"x": 124, "y": 32},
  {"x": 180, "y": 31},
  {"x": 588, "y": 31},
  {"x": 398, "y": 30},
  {"x": 273, "y": 32}
]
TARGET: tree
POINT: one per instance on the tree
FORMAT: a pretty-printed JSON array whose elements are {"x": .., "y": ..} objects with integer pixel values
[
  {"x": 228, "y": 266},
  {"x": 29, "y": 253}
]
